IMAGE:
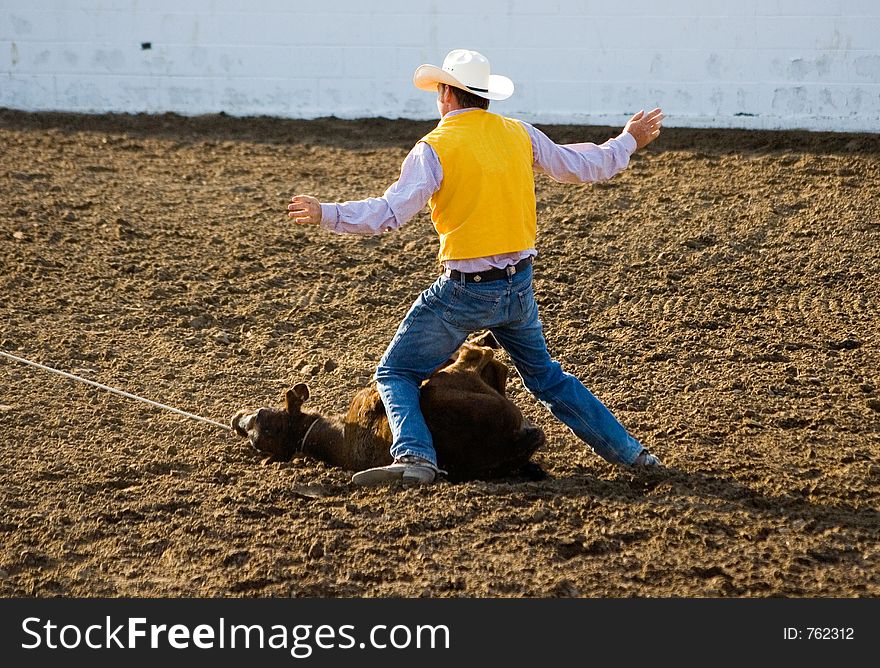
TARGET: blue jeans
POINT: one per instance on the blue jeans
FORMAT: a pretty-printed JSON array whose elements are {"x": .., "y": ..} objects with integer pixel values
[{"x": 436, "y": 326}]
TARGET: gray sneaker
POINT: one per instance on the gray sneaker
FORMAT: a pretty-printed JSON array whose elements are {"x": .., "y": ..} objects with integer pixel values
[
  {"x": 408, "y": 469},
  {"x": 646, "y": 460}
]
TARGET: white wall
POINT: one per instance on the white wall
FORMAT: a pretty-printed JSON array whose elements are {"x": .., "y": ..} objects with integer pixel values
[{"x": 737, "y": 63}]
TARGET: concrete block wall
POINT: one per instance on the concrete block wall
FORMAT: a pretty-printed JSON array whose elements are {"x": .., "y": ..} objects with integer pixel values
[{"x": 811, "y": 64}]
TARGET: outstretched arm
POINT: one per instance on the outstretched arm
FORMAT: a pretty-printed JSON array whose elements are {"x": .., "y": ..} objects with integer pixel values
[
  {"x": 588, "y": 162},
  {"x": 420, "y": 177}
]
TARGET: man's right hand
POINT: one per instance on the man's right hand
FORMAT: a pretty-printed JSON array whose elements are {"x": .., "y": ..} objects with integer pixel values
[
  {"x": 645, "y": 128},
  {"x": 305, "y": 210}
]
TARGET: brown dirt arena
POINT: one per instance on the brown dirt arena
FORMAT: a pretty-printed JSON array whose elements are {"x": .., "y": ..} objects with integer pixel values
[{"x": 721, "y": 296}]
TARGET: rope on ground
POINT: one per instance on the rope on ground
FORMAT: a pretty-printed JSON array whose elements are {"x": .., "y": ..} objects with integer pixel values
[{"x": 113, "y": 390}]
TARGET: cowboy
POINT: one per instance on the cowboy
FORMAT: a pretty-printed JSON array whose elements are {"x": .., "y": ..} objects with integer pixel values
[{"x": 476, "y": 172}]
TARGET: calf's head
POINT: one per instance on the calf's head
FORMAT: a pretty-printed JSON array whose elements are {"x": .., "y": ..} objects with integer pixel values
[{"x": 276, "y": 432}]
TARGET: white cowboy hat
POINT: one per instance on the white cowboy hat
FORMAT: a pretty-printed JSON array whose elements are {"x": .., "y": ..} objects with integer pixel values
[{"x": 464, "y": 69}]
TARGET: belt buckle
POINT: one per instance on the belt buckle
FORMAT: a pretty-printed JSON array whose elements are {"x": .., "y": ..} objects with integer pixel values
[{"x": 511, "y": 270}]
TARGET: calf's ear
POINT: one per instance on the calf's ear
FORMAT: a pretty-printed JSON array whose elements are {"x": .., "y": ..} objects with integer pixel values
[
  {"x": 296, "y": 396},
  {"x": 487, "y": 340}
]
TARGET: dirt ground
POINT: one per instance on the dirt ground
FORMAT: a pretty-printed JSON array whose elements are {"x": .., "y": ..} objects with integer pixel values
[{"x": 721, "y": 296}]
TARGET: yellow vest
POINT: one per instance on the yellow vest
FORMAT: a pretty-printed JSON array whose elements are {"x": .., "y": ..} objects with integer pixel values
[{"x": 486, "y": 202}]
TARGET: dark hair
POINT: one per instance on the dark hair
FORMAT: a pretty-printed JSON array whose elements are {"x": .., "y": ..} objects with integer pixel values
[{"x": 467, "y": 99}]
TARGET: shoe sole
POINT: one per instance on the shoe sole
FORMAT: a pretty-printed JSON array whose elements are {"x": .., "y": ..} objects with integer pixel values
[{"x": 384, "y": 475}]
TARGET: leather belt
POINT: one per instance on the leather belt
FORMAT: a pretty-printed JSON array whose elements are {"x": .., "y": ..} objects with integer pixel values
[{"x": 489, "y": 274}]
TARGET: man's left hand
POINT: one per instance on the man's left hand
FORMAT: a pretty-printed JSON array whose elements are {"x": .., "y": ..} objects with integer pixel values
[
  {"x": 645, "y": 128},
  {"x": 305, "y": 210}
]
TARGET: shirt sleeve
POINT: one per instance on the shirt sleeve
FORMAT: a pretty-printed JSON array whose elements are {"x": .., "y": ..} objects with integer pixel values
[
  {"x": 580, "y": 163},
  {"x": 420, "y": 177}
]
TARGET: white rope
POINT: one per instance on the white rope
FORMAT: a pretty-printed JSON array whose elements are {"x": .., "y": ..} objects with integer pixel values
[
  {"x": 302, "y": 447},
  {"x": 114, "y": 390}
]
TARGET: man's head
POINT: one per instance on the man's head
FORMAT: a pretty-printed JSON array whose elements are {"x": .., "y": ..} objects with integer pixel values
[
  {"x": 450, "y": 98},
  {"x": 467, "y": 72}
]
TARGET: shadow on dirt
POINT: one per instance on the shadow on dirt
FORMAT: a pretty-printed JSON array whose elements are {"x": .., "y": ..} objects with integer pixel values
[{"x": 374, "y": 133}]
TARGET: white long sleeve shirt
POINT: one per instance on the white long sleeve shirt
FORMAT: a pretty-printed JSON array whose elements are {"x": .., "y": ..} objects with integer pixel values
[{"x": 421, "y": 175}]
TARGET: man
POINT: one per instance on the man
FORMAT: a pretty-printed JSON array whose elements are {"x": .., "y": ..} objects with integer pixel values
[{"x": 476, "y": 171}]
